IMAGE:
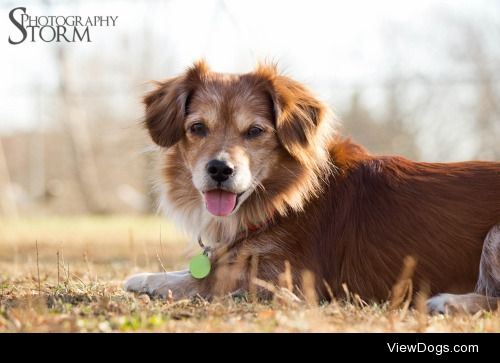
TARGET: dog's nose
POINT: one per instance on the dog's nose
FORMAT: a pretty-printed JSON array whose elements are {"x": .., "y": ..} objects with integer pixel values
[{"x": 219, "y": 170}]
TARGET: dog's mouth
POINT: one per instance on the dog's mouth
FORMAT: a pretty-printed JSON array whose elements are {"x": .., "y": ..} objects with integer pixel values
[{"x": 220, "y": 202}]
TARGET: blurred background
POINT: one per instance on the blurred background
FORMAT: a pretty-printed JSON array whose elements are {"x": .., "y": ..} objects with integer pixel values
[{"x": 416, "y": 78}]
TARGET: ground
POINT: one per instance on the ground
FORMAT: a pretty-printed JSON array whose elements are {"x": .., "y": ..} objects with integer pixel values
[{"x": 65, "y": 274}]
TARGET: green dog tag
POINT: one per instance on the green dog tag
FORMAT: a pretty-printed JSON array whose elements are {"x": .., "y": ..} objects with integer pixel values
[{"x": 199, "y": 266}]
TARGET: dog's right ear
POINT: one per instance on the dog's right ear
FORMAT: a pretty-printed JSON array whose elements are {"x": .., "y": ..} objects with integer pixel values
[
  {"x": 303, "y": 124},
  {"x": 167, "y": 105}
]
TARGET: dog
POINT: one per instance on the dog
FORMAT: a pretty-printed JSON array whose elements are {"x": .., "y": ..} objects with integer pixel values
[{"x": 252, "y": 165}]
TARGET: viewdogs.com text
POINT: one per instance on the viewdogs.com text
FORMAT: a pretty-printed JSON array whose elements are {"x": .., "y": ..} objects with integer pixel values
[{"x": 54, "y": 28}]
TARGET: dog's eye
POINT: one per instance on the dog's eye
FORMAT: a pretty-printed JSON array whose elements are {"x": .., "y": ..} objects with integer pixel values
[
  {"x": 254, "y": 131},
  {"x": 198, "y": 129}
]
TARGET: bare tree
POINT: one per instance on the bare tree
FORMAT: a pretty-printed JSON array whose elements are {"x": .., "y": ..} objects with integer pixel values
[{"x": 75, "y": 127}]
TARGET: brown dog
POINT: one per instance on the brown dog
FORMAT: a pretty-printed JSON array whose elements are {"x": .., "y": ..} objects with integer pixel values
[{"x": 251, "y": 164}]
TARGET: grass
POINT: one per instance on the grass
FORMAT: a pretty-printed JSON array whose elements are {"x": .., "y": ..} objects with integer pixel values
[{"x": 75, "y": 286}]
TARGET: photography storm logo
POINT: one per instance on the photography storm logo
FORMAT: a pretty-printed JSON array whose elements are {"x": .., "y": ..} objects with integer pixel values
[{"x": 54, "y": 28}]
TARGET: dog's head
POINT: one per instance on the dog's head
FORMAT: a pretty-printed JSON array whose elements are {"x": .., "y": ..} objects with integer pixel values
[{"x": 245, "y": 141}]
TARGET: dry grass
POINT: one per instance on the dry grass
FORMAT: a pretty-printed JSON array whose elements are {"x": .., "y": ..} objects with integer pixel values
[{"x": 80, "y": 290}]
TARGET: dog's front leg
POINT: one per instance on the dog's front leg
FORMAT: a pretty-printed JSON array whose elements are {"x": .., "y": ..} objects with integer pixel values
[{"x": 181, "y": 284}]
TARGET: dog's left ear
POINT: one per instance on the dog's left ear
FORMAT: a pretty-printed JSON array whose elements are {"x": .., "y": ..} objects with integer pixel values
[
  {"x": 167, "y": 105},
  {"x": 300, "y": 118}
]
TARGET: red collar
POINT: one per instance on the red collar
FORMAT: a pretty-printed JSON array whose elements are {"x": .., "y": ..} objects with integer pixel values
[
  {"x": 252, "y": 228},
  {"x": 256, "y": 227}
]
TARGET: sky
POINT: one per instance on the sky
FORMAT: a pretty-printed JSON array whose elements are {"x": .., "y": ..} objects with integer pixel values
[{"x": 333, "y": 46}]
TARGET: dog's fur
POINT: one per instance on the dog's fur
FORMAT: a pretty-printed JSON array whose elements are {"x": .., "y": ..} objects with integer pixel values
[{"x": 323, "y": 203}]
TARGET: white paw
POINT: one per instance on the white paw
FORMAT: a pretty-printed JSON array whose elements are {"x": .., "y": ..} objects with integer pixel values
[
  {"x": 136, "y": 283},
  {"x": 180, "y": 283},
  {"x": 439, "y": 304},
  {"x": 147, "y": 283}
]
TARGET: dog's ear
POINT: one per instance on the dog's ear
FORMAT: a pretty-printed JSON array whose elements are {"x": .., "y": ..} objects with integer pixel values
[
  {"x": 299, "y": 117},
  {"x": 167, "y": 105}
]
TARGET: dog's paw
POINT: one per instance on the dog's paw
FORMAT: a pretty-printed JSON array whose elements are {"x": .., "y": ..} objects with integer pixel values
[
  {"x": 440, "y": 304},
  {"x": 136, "y": 283},
  {"x": 153, "y": 284},
  {"x": 466, "y": 303},
  {"x": 178, "y": 284}
]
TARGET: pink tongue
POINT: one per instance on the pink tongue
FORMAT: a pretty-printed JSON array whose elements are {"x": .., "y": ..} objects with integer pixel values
[{"x": 220, "y": 202}]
